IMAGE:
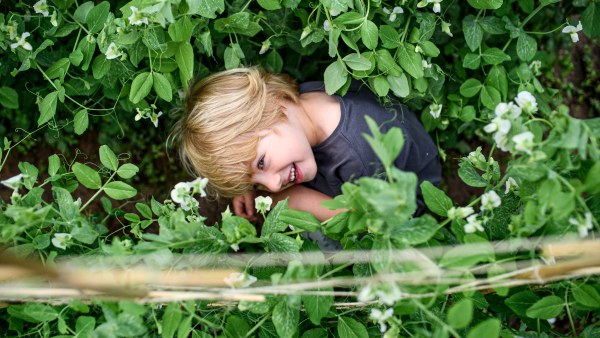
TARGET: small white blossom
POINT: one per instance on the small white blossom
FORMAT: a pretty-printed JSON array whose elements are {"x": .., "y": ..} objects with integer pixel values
[
  {"x": 13, "y": 182},
  {"x": 418, "y": 49},
  {"x": 526, "y": 101},
  {"x": 333, "y": 12},
  {"x": 112, "y": 52},
  {"x": 21, "y": 42},
  {"x": 573, "y": 31},
  {"x": 78, "y": 202},
  {"x": 425, "y": 64},
  {"x": 524, "y": 142},
  {"x": 583, "y": 227},
  {"x": 436, "y": 5},
  {"x": 435, "y": 110},
  {"x": 381, "y": 317},
  {"x": 12, "y": 30},
  {"x": 326, "y": 26},
  {"x": 446, "y": 28},
  {"x": 235, "y": 247},
  {"x": 60, "y": 240},
  {"x": 473, "y": 225},
  {"x": 54, "y": 19},
  {"x": 180, "y": 192},
  {"x": 188, "y": 203},
  {"x": 552, "y": 320},
  {"x": 155, "y": 117},
  {"x": 41, "y": 7},
  {"x": 393, "y": 13},
  {"x": 501, "y": 140},
  {"x": 265, "y": 47},
  {"x": 459, "y": 213},
  {"x": 263, "y": 204},
  {"x": 490, "y": 200},
  {"x": 389, "y": 293},
  {"x": 535, "y": 66},
  {"x": 305, "y": 32},
  {"x": 502, "y": 108},
  {"x": 198, "y": 186},
  {"x": 498, "y": 124},
  {"x": 240, "y": 280},
  {"x": 138, "y": 116},
  {"x": 511, "y": 185},
  {"x": 137, "y": 18}
]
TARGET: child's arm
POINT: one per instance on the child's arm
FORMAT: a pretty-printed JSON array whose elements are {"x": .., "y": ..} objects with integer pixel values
[{"x": 306, "y": 199}]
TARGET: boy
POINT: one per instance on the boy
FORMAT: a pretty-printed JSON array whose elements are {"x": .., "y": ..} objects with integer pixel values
[{"x": 247, "y": 130}]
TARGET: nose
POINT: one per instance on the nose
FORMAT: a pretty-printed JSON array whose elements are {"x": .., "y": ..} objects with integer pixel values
[{"x": 273, "y": 182}]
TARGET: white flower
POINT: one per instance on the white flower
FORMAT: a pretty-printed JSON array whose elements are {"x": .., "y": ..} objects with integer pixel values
[
  {"x": 511, "y": 185},
  {"x": 524, "y": 142},
  {"x": 263, "y": 204},
  {"x": 490, "y": 200},
  {"x": 41, "y": 7},
  {"x": 501, "y": 140},
  {"x": 498, "y": 124},
  {"x": 552, "y": 320},
  {"x": 235, "y": 247},
  {"x": 503, "y": 108},
  {"x": 526, "y": 101},
  {"x": 366, "y": 294},
  {"x": 418, "y": 49},
  {"x": 138, "y": 116},
  {"x": 188, "y": 203},
  {"x": 180, "y": 192},
  {"x": 13, "y": 182},
  {"x": 12, "y": 30},
  {"x": 425, "y": 64},
  {"x": 54, "y": 19},
  {"x": 459, "y": 213},
  {"x": 198, "y": 186},
  {"x": 436, "y": 5},
  {"x": 155, "y": 117},
  {"x": 60, "y": 240},
  {"x": 536, "y": 65},
  {"x": 446, "y": 28},
  {"x": 573, "y": 31},
  {"x": 381, "y": 317},
  {"x": 265, "y": 47},
  {"x": 112, "y": 52},
  {"x": 21, "y": 42},
  {"x": 78, "y": 202},
  {"x": 583, "y": 227},
  {"x": 435, "y": 109},
  {"x": 333, "y": 12},
  {"x": 305, "y": 32},
  {"x": 292, "y": 227},
  {"x": 389, "y": 293},
  {"x": 473, "y": 225},
  {"x": 326, "y": 26},
  {"x": 396, "y": 10},
  {"x": 136, "y": 17},
  {"x": 239, "y": 280}
]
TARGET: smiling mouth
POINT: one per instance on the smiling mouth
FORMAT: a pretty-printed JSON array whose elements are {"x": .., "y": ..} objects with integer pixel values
[{"x": 293, "y": 174}]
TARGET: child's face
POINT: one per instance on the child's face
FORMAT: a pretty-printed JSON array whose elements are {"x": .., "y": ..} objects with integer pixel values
[{"x": 283, "y": 159}]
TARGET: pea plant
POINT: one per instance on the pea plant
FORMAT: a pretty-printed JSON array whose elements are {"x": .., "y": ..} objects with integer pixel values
[{"x": 470, "y": 69}]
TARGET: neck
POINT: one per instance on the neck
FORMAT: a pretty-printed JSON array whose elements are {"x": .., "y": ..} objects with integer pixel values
[{"x": 305, "y": 115}]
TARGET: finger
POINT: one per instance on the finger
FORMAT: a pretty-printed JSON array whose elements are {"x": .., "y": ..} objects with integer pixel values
[
  {"x": 249, "y": 203},
  {"x": 238, "y": 207}
]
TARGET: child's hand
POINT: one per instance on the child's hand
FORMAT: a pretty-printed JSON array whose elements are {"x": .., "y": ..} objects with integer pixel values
[{"x": 243, "y": 206}]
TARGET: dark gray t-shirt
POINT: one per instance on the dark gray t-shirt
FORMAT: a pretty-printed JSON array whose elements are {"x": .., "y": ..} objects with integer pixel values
[{"x": 346, "y": 155}]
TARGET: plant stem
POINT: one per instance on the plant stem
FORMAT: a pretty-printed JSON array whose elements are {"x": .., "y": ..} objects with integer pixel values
[
  {"x": 435, "y": 318},
  {"x": 508, "y": 43},
  {"x": 263, "y": 319},
  {"x": 98, "y": 192},
  {"x": 341, "y": 267},
  {"x": 570, "y": 317},
  {"x": 531, "y": 16}
]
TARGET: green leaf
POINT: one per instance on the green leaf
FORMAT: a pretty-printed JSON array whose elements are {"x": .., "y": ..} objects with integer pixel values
[
  {"x": 587, "y": 295},
  {"x": 269, "y": 5},
  {"x": 414, "y": 231},
  {"x": 590, "y": 20},
  {"x": 162, "y": 87},
  {"x": 232, "y": 60},
  {"x": 185, "y": 60},
  {"x": 460, "y": 314},
  {"x": 40, "y": 312},
  {"x": 302, "y": 219},
  {"x": 97, "y": 16},
  {"x": 144, "y": 210},
  {"x": 84, "y": 326},
  {"x": 490, "y": 97},
  {"x": 489, "y": 328},
  {"x": 119, "y": 190},
  {"x": 313, "y": 333},
  {"x": 140, "y": 88},
  {"x": 468, "y": 174},
  {"x": 58, "y": 69},
  {"x": 100, "y": 66},
  {"x": 76, "y": 57},
  {"x": 493, "y": 25},
  {"x": 462, "y": 256},
  {"x": 357, "y": 62},
  {"x": 350, "y": 18},
  {"x": 236, "y": 327},
  {"x": 82, "y": 11},
  {"x": 282, "y": 243},
  {"x": 410, "y": 61},
  {"x": 436, "y": 200},
  {"x": 497, "y": 79},
  {"x": 338, "y": 5},
  {"x": 399, "y": 85},
  {"x": 473, "y": 32},
  {"x": 127, "y": 170},
  {"x": 470, "y": 88},
  {"x": 275, "y": 60},
  {"x": 108, "y": 158},
  {"x": 84, "y": 234},
  {"x": 87, "y": 48},
  {"x": 389, "y": 36},
  {"x": 285, "y": 319},
  {"x": 48, "y": 108},
  {"x": 53, "y": 164},
  {"x": 81, "y": 121},
  {"x": 335, "y": 77},
  {"x": 350, "y": 328},
  {"x": 317, "y": 306},
  {"x": 429, "y": 48},
  {"x": 494, "y": 56},
  {"x": 9, "y": 98},
  {"x": 485, "y": 4},
  {"x": 171, "y": 319},
  {"x": 381, "y": 85},
  {"x": 521, "y": 301},
  {"x": 181, "y": 30},
  {"x": 546, "y": 308},
  {"x": 467, "y": 114},
  {"x": 87, "y": 176},
  {"x": 526, "y": 47},
  {"x": 369, "y": 34}
]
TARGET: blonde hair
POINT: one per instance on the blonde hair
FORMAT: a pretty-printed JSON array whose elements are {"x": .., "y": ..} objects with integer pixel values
[{"x": 222, "y": 115}]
